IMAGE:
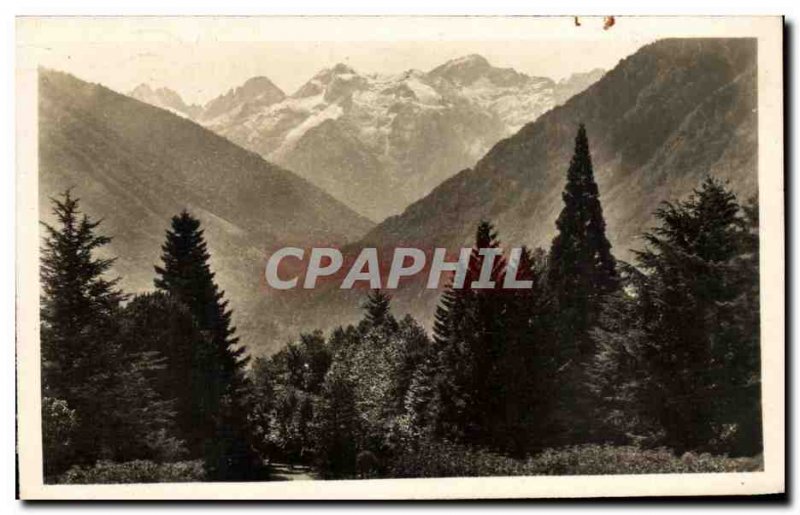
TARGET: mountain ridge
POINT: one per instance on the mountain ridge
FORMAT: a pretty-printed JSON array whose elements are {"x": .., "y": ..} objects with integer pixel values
[{"x": 408, "y": 131}]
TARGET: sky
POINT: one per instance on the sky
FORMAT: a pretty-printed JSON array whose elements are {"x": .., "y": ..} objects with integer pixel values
[{"x": 205, "y": 57}]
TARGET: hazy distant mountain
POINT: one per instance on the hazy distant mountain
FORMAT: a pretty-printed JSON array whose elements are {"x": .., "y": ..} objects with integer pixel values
[
  {"x": 358, "y": 135},
  {"x": 165, "y": 98},
  {"x": 575, "y": 83},
  {"x": 256, "y": 93},
  {"x": 135, "y": 166},
  {"x": 659, "y": 122}
]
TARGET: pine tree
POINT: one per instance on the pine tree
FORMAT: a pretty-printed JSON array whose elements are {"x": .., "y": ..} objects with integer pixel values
[
  {"x": 377, "y": 310},
  {"x": 118, "y": 413},
  {"x": 701, "y": 323},
  {"x": 78, "y": 332},
  {"x": 581, "y": 273},
  {"x": 469, "y": 334},
  {"x": 79, "y": 304},
  {"x": 187, "y": 276}
]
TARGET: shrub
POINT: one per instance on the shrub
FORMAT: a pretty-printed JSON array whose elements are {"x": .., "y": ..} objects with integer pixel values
[
  {"x": 139, "y": 471},
  {"x": 607, "y": 459},
  {"x": 444, "y": 459},
  {"x": 58, "y": 427}
]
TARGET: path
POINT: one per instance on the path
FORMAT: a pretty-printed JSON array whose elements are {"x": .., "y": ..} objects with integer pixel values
[{"x": 285, "y": 472}]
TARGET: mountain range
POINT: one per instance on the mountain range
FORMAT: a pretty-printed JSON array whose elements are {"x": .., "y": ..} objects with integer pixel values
[{"x": 357, "y": 135}]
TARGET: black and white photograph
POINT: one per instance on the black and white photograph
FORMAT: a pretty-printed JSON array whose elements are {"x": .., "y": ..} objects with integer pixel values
[{"x": 262, "y": 257}]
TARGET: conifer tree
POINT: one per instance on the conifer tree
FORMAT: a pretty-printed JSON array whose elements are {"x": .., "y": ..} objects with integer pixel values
[
  {"x": 581, "y": 273},
  {"x": 617, "y": 374},
  {"x": 117, "y": 413},
  {"x": 469, "y": 332},
  {"x": 701, "y": 323},
  {"x": 187, "y": 276},
  {"x": 377, "y": 310},
  {"x": 79, "y": 304},
  {"x": 527, "y": 364},
  {"x": 581, "y": 268}
]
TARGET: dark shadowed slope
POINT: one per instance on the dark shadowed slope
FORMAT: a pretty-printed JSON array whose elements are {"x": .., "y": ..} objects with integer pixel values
[{"x": 135, "y": 166}]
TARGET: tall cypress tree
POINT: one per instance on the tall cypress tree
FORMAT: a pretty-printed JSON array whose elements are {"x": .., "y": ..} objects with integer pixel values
[
  {"x": 581, "y": 273},
  {"x": 581, "y": 267},
  {"x": 187, "y": 276}
]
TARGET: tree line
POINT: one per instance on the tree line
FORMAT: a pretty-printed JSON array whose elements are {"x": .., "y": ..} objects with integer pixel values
[
  {"x": 663, "y": 352},
  {"x": 159, "y": 376}
]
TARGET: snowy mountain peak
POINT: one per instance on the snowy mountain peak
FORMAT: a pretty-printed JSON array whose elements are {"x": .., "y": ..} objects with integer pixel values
[
  {"x": 472, "y": 60},
  {"x": 335, "y": 83},
  {"x": 472, "y": 68},
  {"x": 142, "y": 89}
]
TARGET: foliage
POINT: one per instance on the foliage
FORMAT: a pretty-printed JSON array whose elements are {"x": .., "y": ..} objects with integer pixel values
[
  {"x": 158, "y": 323},
  {"x": 647, "y": 361},
  {"x": 469, "y": 334},
  {"x": 336, "y": 428},
  {"x": 58, "y": 428},
  {"x": 362, "y": 406},
  {"x": 139, "y": 471},
  {"x": 287, "y": 387},
  {"x": 444, "y": 459}
]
